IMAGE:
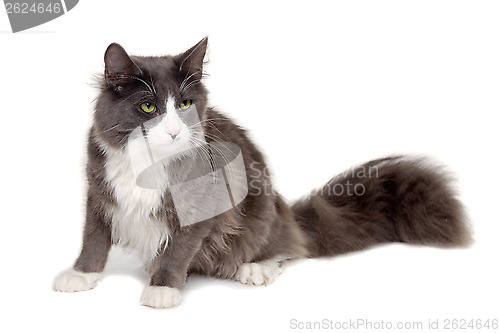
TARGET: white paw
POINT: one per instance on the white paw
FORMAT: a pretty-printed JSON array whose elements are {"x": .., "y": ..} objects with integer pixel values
[
  {"x": 160, "y": 297},
  {"x": 260, "y": 273},
  {"x": 70, "y": 281}
]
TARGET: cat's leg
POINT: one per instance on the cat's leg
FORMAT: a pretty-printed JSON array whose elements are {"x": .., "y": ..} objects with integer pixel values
[
  {"x": 169, "y": 269},
  {"x": 96, "y": 244},
  {"x": 259, "y": 273}
]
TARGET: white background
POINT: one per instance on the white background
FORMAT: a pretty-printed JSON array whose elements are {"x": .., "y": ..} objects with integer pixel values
[{"x": 321, "y": 86}]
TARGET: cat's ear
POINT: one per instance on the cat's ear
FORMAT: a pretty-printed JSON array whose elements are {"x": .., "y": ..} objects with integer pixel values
[
  {"x": 119, "y": 68},
  {"x": 191, "y": 61}
]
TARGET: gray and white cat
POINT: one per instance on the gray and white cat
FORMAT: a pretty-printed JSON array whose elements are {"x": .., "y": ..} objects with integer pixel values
[{"x": 161, "y": 103}]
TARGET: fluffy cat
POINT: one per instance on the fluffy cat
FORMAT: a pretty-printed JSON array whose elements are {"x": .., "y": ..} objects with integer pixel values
[{"x": 403, "y": 200}]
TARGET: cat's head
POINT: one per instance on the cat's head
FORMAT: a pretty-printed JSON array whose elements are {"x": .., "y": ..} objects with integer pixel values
[{"x": 162, "y": 96}]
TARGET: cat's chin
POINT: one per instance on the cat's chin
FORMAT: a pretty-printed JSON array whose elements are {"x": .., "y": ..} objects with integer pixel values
[{"x": 170, "y": 151}]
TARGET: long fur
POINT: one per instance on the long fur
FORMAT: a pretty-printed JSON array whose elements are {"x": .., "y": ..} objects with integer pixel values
[
  {"x": 401, "y": 199},
  {"x": 395, "y": 199}
]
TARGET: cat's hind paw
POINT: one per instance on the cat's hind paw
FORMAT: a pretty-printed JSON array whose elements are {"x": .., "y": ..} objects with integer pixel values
[
  {"x": 160, "y": 297},
  {"x": 259, "y": 273},
  {"x": 70, "y": 281}
]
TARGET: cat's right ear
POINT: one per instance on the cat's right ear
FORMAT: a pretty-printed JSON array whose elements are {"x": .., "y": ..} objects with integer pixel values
[{"x": 119, "y": 68}]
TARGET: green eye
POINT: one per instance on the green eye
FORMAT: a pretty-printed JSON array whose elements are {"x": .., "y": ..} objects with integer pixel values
[
  {"x": 148, "y": 107},
  {"x": 185, "y": 104}
]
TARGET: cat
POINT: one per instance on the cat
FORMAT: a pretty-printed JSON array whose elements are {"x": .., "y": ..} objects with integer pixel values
[{"x": 163, "y": 102}]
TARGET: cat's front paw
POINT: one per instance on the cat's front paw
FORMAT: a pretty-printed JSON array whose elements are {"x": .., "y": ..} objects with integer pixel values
[
  {"x": 70, "y": 281},
  {"x": 259, "y": 273},
  {"x": 161, "y": 297}
]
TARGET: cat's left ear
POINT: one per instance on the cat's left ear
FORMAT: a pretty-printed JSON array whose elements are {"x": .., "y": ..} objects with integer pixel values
[{"x": 191, "y": 61}]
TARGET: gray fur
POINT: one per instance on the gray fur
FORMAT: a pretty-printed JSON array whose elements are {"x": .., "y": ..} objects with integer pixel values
[{"x": 409, "y": 201}]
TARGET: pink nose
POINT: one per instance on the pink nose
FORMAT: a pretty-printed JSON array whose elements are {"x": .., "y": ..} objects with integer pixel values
[{"x": 173, "y": 133}]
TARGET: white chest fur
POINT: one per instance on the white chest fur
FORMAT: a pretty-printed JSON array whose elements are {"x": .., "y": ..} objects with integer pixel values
[{"x": 134, "y": 224}]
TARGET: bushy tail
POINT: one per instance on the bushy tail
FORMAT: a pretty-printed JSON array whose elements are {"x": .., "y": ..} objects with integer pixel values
[{"x": 395, "y": 199}]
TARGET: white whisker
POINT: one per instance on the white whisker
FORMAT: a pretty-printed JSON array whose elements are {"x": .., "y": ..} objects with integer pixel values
[
  {"x": 152, "y": 83},
  {"x": 221, "y": 154},
  {"x": 181, "y": 88},
  {"x": 111, "y": 128},
  {"x": 190, "y": 84},
  {"x": 141, "y": 80},
  {"x": 138, "y": 92}
]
